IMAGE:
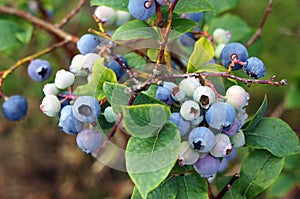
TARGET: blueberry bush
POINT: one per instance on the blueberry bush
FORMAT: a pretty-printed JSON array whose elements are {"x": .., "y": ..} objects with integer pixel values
[{"x": 171, "y": 79}]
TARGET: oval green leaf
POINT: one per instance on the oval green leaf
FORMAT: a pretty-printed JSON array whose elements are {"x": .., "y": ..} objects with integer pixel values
[
  {"x": 275, "y": 135},
  {"x": 259, "y": 171},
  {"x": 145, "y": 120},
  {"x": 150, "y": 160},
  {"x": 136, "y": 29},
  {"x": 119, "y": 5}
]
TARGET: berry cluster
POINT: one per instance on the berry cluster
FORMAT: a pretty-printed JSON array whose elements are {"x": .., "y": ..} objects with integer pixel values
[{"x": 209, "y": 124}]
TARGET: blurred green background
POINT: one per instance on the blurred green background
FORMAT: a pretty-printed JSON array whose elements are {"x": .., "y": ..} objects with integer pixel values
[{"x": 38, "y": 161}]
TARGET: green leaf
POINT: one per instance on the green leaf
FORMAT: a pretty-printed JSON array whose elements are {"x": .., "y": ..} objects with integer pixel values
[
  {"x": 116, "y": 95},
  {"x": 191, "y": 186},
  {"x": 222, "y": 6},
  {"x": 275, "y": 135},
  {"x": 150, "y": 160},
  {"x": 237, "y": 27},
  {"x": 119, "y": 5},
  {"x": 133, "y": 30},
  {"x": 100, "y": 75},
  {"x": 184, "y": 6},
  {"x": 134, "y": 60},
  {"x": 152, "y": 53},
  {"x": 292, "y": 98},
  {"x": 203, "y": 52},
  {"x": 180, "y": 26},
  {"x": 258, "y": 172},
  {"x": 212, "y": 68},
  {"x": 19, "y": 33},
  {"x": 166, "y": 189},
  {"x": 143, "y": 98},
  {"x": 145, "y": 120},
  {"x": 282, "y": 186},
  {"x": 257, "y": 117}
]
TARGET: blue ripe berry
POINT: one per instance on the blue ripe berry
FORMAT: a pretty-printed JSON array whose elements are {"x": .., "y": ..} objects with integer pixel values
[
  {"x": 39, "y": 70},
  {"x": 202, "y": 139},
  {"x": 86, "y": 109},
  {"x": 188, "y": 39},
  {"x": 67, "y": 122},
  {"x": 183, "y": 125},
  {"x": 117, "y": 68},
  {"x": 141, "y": 9},
  {"x": 15, "y": 108},
  {"x": 89, "y": 140},
  {"x": 195, "y": 16},
  {"x": 164, "y": 94},
  {"x": 207, "y": 166},
  {"x": 233, "y": 50},
  {"x": 88, "y": 43},
  {"x": 255, "y": 68},
  {"x": 220, "y": 116}
]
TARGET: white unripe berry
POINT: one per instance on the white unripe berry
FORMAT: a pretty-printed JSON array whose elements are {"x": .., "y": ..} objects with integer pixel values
[
  {"x": 64, "y": 79},
  {"x": 50, "y": 89},
  {"x": 50, "y": 105}
]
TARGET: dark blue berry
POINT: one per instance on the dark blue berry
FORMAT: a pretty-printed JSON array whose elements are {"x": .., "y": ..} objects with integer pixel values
[
  {"x": 39, "y": 70},
  {"x": 255, "y": 68},
  {"x": 195, "y": 16},
  {"x": 233, "y": 49},
  {"x": 187, "y": 39},
  {"x": 67, "y": 122},
  {"x": 117, "y": 68},
  {"x": 15, "y": 108},
  {"x": 164, "y": 94},
  {"x": 182, "y": 124}
]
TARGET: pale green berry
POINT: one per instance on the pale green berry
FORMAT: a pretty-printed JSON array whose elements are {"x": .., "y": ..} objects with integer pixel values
[
  {"x": 197, "y": 121},
  {"x": 190, "y": 110},
  {"x": 106, "y": 14},
  {"x": 238, "y": 139},
  {"x": 189, "y": 85},
  {"x": 222, "y": 147},
  {"x": 110, "y": 115},
  {"x": 187, "y": 156},
  {"x": 205, "y": 96},
  {"x": 218, "y": 50},
  {"x": 122, "y": 17},
  {"x": 221, "y": 36},
  {"x": 50, "y": 105},
  {"x": 76, "y": 66},
  {"x": 237, "y": 97},
  {"x": 64, "y": 79},
  {"x": 50, "y": 89}
]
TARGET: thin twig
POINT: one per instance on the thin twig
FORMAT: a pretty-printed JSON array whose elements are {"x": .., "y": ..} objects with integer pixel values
[
  {"x": 73, "y": 12},
  {"x": 39, "y": 22},
  {"x": 228, "y": 186},
  {"x": 246, "y": 81},
  {"x": 261, "y": 25}
]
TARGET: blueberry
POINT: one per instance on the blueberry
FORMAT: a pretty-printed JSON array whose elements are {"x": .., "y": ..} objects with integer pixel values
[
  {"x": 221, "y": 36},
  {"x": 67, "y": 122},
  {"x": 88, "y": 43},
  {"x": 238, "y": 139},
  {"x": 39, "y": 70},
  {"x": 235, "y": 49},
  {"x": 237, "y": 97},
  {"x": 141, "y": 9},
  {"x": 110, "y": 115},
  {"x": 15, "y": 108},
  {"x": 205, "y": 96},
  {"x": 189, "y": 85},
  {"x": 236, "y": 125},
  {"x": 76, "y": 66},
  {"x": 86, "y": 109},
  {"x": 220, "y": 116},
  {"x": 188, "y": 39},
  {"x": 106, "y": 14},
  {"x": 190, "y": 110},
  {"x": 89, "y": 60},
  {"x": 207, "y": 166},
  {"x": 67, "y": 101},
  {"x": 255, "y": 68},
  {"x": 64, "y": 79},
  {"x": 202, "y": 139},
  {"x": 50, "y": 89},
  {"x": 89, "y": 140},
  {"x": 122, "y": 17},
  {"x": 195, "y": 16},
  {"x": 187, "y": 156},
  {"x": 183, "y": 125},
  {"x": 164, "y": 94},
  {"x": 50, "y": 105},
  {"x": 117, "y": 68},
  {"x": 222, "y": 147}
]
